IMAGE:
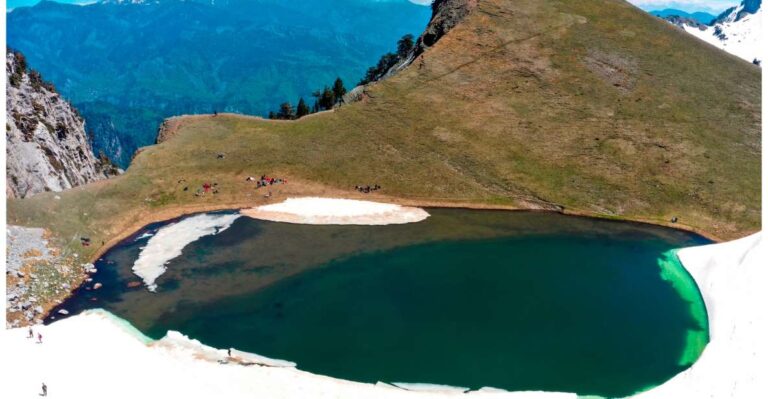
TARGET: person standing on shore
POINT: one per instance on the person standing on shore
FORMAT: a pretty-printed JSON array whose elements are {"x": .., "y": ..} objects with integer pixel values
[{"x": 45, "y": 390}]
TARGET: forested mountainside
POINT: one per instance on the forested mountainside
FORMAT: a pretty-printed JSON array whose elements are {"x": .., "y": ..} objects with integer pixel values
[{"x": 127, "y": 65}]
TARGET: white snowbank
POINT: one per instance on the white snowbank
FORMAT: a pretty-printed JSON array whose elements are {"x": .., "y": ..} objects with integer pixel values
[
  {"x": 170, "y": 240},
  {"x": 96, "y": 355},
  {"x": 313, "y": 210},
  {"x": 92, "y": 354},
  {"x": 732, "y": 278},
  {"x": 742, "y": 38}
]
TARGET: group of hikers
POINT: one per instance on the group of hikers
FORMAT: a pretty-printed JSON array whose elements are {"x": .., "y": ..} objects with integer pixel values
[
  {"x": 367, "y": 189},
  {"x": 212, "y": 188},
  {"x": 205, "y": 188},
  {"x": 31, "y": 335},
  {"x": 265, "y": 181}
]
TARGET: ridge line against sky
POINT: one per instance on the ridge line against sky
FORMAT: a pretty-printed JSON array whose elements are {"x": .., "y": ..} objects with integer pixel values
[{"x": 711, "y": 6}]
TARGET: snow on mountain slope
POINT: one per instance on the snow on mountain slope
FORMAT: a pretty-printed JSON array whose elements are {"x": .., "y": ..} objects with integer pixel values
[{"x": 737, "y": 31}]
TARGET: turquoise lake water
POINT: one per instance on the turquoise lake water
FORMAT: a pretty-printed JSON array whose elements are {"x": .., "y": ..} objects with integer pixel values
[{"x": 511, "y": 300}]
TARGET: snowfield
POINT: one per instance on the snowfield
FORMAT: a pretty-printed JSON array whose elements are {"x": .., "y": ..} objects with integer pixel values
[
  {"x": 742, "y": 38},
  {"x": 97, "y": 355}
]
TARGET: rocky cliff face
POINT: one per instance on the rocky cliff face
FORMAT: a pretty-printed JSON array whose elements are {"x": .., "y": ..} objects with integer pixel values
[
  {"x": 445, "y": 15},
  {"x": 46, "y": 144}
]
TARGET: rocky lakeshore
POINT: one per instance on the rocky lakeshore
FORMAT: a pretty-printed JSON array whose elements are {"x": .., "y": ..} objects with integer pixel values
[{"x": 38, "y": 275}]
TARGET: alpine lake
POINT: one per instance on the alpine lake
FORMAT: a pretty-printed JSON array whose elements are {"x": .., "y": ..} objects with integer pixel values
[{"x": 467, "y": 298}]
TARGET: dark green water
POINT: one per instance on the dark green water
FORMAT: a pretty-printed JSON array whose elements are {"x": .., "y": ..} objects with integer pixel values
[{"x": 519, "y": 301}]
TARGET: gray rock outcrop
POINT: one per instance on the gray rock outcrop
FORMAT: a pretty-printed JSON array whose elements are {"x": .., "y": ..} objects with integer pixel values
[{"x": 46, "y": 144}]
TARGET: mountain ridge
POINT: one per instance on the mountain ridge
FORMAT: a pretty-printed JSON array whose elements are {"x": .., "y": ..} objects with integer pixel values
[
  {"x": 736, "y": 30},
  {"x": 699, "y": 16},
  {"x": 590, "y": 107}
]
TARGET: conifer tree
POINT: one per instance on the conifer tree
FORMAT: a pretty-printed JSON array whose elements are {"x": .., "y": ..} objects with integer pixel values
[
  {"x": 404, "y": 46},
  {"x": 301, "y": 108},
  {"x": 338, "y": 90},
  {"x": 327, "y": 99},
  {"x": 286, "y": 111}
]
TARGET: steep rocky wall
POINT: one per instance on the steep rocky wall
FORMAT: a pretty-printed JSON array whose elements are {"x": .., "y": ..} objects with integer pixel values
[
  {"x": 445, "y": 15},
  {"x": 47, "y": 146}
]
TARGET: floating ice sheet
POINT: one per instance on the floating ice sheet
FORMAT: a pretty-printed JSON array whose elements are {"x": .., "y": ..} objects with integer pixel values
[{"x": 170, "y": 240}]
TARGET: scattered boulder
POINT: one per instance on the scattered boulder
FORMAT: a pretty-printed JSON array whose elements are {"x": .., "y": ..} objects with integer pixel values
[
  {"x": 63, "y": 311},
  {"x": 97, "y": 286}
]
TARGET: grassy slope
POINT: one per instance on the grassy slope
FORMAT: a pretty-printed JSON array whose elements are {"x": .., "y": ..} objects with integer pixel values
[{"x": 503, "y": 111}]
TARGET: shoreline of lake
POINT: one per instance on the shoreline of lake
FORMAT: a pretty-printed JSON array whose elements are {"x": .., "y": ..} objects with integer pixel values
[{"x": 175, "y": 352}]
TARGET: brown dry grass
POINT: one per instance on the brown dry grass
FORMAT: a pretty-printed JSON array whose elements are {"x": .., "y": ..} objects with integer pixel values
[{"x": 591, "y": 106}]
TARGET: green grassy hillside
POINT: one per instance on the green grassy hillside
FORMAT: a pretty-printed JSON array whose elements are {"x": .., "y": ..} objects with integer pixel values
[{"x": 591, "y": 106}]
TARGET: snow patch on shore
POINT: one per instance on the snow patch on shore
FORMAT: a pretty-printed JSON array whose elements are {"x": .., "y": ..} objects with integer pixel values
[
  {"x": 95, "y": 343},
  {"x": 314, "y": 210},
  {"x": 170, "y": 240},
  {"x": 731, "y": 277}
]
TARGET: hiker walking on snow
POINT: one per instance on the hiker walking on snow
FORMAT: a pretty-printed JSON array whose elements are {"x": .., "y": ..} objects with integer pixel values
[
  {"x": 45, "y": 390},
  {"x": 39, "y": 338},
  {"x": 31, "y": 334}
]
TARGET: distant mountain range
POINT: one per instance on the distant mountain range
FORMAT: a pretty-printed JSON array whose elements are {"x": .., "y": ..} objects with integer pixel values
[
  {"x": 128, "y": 64},
  {"x": 737, "y": 30},
  {"x": 699, "y": 16}
]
